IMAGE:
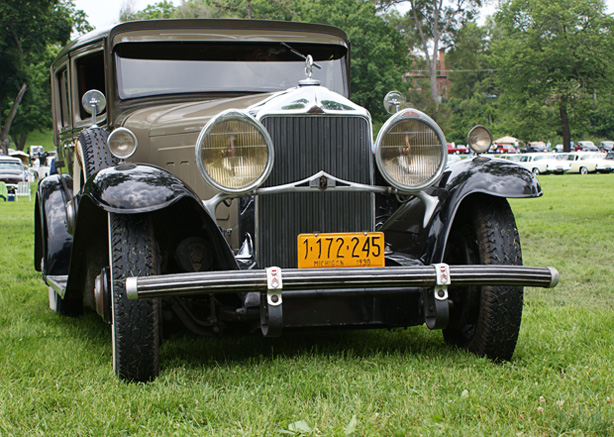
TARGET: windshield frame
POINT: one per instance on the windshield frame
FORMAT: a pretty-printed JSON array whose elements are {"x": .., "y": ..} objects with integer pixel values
[{"x": 171, "y": 59}]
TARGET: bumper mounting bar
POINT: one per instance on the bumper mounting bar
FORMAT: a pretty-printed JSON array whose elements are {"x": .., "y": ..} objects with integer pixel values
[{"x": 242, "y": 281}]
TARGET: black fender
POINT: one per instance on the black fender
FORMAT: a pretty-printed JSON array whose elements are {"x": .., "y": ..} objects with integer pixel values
[
  {"x": 177, "y": 213},
  {"x": 405, "y": 230},
  {"x": 52, "y": 242},
  {"x": 134, "y": 188}
]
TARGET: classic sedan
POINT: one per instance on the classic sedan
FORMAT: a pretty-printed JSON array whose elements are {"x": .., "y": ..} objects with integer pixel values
[
  {"x": 12, "y": 171},
  {"x": 606, "y": 165},
  {"x": 542, "y": 163},
  {"x": 584, "y": 162}
]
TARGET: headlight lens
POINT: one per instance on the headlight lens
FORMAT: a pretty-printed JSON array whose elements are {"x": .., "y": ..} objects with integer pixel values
[
  {"x": 410, "y": 150},
  {"x": 234, "y": 152},
  {"x": 479, "y": 139},
  {"x": 122, "y": 143}
]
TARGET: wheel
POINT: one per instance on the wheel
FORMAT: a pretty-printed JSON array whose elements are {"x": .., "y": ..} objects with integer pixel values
[
  {"x": 583, "y": 170},
  {"x": 136, "y": 335},
  {"x": 96, "y": 155},
  {"x": 485, "y": 320},
  {"x": 535, "y": 171}
]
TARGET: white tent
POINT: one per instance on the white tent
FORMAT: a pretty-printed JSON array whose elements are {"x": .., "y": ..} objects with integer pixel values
[{"x": 507, "y": 140}]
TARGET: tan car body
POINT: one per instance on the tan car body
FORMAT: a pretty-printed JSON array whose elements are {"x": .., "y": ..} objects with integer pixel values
[{"x": 166, "y": 127}]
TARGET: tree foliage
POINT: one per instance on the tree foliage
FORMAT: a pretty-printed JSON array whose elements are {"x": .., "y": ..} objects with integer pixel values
[
  {"x": 431, "y": 25},
  {"x": 157, "y": 11},
  {"x": 378, "y": 50},
  {"x": 26, "y": 32},
  {"x": 554, "y": 60}
]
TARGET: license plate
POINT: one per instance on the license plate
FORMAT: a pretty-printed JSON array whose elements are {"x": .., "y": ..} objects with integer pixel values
[{"x": 360, "y": 249}]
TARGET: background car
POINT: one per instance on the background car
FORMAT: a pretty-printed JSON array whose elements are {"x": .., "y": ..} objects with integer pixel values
[
  {"x": 539, "y": 162},
  {"x": 12, "y": 171},
  {"x": 606, "y": 145},
  {"x": 583, "y": 162},
  {"x": 537, "y": 147},
  {"x": 606, "y": 164},
  {"x": 586, "y": 146},
  {"x": 505, "y": 148}
]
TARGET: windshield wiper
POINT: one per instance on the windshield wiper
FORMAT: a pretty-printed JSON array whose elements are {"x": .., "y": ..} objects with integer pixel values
[{"x": 299, "y": 54}]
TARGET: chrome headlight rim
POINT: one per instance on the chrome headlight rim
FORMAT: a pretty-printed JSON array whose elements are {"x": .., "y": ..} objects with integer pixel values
[
  {"x": 472, "y": 141},
  {"x": 399, "y": 117},
  {"x": 229, "y": 115},
  {"x": 131, "y": 135}
]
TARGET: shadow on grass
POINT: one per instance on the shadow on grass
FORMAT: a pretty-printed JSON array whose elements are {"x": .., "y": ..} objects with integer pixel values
[{"x": 189, "y": 351}]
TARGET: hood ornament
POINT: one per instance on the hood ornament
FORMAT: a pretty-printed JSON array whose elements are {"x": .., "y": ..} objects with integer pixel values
[{"x": 309, "y": 64}]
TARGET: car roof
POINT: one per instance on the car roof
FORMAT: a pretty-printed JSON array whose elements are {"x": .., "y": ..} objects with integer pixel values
[
  {"x": 212, "y": 29},
  {"x": 10, "y": 159}
]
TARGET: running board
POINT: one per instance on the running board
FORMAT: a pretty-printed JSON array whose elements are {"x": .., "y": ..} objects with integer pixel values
[{"x": 57, "y": 283}]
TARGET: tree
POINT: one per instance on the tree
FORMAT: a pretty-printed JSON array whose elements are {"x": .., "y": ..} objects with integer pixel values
[
  {"x": 160, "y": 10},
  {"x": 25, "y": 33},
  {"x": 34, "y": 112},
  {"x": 555, "y": 57},
  {"x": 433, "y": 23},
  {"x": 378, "y": 50}
]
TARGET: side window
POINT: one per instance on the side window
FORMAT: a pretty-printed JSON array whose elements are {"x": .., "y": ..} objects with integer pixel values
[
  {"x": 63, "y": 100},
  {"x": 90, "y": 75}
]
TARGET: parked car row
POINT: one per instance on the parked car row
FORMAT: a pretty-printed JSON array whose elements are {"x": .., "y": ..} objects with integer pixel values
[{"x": 559, "y": 163}]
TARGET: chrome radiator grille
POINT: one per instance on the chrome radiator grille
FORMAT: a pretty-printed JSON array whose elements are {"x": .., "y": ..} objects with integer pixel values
[{"x": 341, "y": 146}]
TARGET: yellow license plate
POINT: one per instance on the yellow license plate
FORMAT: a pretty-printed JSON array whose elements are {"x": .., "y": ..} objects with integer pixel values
[{"x": 360, "y": 249}]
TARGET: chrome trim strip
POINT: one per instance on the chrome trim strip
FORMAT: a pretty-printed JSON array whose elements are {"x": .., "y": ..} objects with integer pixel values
[
  {"x": 363, "y": 281},
  {"x": 310, "y": 184}
]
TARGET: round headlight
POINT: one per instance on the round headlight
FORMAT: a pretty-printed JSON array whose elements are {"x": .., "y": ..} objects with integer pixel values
[
  {"x": 234, "y": 152},
  {"x": 479, "y": 139},
  {"x": 410, "y": 150},
  {"x": 122, "y": 143}
]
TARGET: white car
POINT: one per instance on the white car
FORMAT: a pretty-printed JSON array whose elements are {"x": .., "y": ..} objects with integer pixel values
[
  {"x": 584, "y": 162},
  {"x": 606, "y": 165},
  {"x": 542, "y": 163}
]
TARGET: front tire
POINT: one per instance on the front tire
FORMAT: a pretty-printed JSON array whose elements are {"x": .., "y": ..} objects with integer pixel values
[
  {"x": 583, "y": 170},
  {"x": 136, "y": 338},
  {"x": 485, "y": 320}
]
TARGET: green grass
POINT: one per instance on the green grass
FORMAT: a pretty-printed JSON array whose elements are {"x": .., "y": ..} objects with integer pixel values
[
  {"x": 56, "y": 375},
  {"x": 41, "y": 138}
]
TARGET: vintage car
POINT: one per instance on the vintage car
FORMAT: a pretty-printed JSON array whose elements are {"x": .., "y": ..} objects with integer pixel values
[
  {"x": 214, "y": 174},
  {"x": 605, "y": 164},
  {"x": 584, "y": 162},
  {"x": 12, "y": 171},
  {"x": 543, "y": 163}
]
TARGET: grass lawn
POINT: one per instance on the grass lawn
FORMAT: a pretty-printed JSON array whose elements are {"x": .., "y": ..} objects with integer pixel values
[{"x": 56, "y": 375}]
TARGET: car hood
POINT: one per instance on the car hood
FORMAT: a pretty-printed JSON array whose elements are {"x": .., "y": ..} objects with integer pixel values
[
  {"x": 186, "y": 117},
  {"x": 11, "y": 172}
]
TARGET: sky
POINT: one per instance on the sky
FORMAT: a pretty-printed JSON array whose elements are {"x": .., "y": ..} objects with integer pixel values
[{"x": 103, "y": 13}]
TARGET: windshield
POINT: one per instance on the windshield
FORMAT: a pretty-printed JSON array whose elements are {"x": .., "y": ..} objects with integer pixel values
[
  {"x": 147, "y": 69},
  {"x": 14, "y": 166}
]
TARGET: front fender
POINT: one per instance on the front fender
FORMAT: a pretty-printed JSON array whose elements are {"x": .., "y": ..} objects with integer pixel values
[
  {"x": 177, "y": 213},
  {"x": 405, "y": 231},
  {"x": 135, "y": 188},
  {"x": 52, "y": 242}
]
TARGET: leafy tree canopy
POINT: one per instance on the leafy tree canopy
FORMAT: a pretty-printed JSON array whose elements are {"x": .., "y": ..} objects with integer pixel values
[
  {"x": 557, "y": 55},
  {"x": 26, "y": 32}
]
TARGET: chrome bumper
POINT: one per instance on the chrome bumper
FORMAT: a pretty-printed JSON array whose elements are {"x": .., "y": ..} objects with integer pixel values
[{"x": 362, "y": 280}]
